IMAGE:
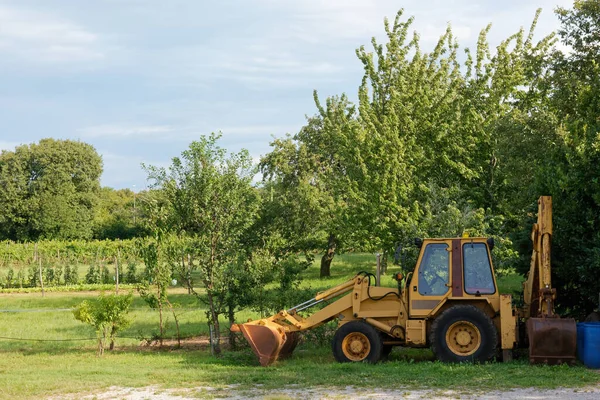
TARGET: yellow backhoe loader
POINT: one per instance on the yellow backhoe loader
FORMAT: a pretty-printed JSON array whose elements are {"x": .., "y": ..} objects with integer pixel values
[{"x": 450, "y": 302}]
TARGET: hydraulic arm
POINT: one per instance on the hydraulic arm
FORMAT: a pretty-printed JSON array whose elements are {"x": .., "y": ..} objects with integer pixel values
[{"x": 552, "y": 339}]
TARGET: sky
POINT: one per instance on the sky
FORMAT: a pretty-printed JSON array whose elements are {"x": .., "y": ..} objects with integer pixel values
[{"x": 141, "y": 79}]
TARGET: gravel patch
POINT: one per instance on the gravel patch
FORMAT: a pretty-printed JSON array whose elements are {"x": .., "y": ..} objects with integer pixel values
[{"x": 233, "y": 393}]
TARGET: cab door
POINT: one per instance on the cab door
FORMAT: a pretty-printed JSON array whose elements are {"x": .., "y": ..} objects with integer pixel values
[{"x": 431, "y": 282}]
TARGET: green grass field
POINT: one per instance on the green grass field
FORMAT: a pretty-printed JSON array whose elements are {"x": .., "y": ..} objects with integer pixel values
[{"x": 34, "y": 369}]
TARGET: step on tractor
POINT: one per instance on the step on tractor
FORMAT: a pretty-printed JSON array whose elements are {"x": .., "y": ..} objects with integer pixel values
[{"x": 450, "y": 302}]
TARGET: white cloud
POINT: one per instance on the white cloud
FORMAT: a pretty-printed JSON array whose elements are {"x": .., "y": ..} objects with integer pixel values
[
  {"x": 44, "y": 37},
  {"x": 184, "y": 132},
  {"x": 125, "y": 171},
  {"x": 125, "y": 131}
]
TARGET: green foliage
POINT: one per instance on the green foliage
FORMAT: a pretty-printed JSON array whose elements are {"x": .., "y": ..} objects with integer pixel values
[
  {"x": 158, "y": 276},
  {"x": 117, "y": 215},
  {"x": 93, "y": 275},
  {"x": 107, "y": 314},
  {"x": 105, "y": 276},
  {"x": 62, "y": 259},
  {"x": 61, "y": 251},
  {"x": 49, "y": 190},
  {"x": 71, "y": 275},
  {"x": 207, "y": 197},
  {"x": 157, "y": 272},
  {"x": 131, "y": 273},
  {"x": 427, "y": 151},
  {"x": 10, "y": 276},
  {"x": 569, "y": 169}
]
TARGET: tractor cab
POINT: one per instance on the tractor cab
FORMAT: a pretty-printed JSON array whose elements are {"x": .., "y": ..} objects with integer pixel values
[{"x": 450, "y": 269}]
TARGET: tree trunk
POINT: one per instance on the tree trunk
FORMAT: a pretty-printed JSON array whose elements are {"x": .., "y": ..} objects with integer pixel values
[
  {"x": 41, "y": 275},
  {"x": 160, "y": 321},
  {"x": 214, "y": 322},
  {"x": 189, "y": 274},
  {"x": 117, "y": 272},
  {"x": 328, "y": 257},
  {"x": 384, "y": 262},
  {"x": 113, "y": 332},
  {"x": 231, "y": 314},
  {"x": 176, "y": 322}
]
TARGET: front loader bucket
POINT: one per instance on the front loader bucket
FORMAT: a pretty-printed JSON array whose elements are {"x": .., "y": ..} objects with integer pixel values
[
  {"x": 269, "y": 341},
  {"x": 552, "y": 340},
  {"x": 291, "y": 341}
]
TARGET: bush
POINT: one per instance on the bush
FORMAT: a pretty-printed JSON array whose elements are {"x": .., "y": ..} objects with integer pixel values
[
  {"x": 107, "y": 314},
  {"x": 33, "y": 277},
  {"x": 10, "y": 275},
  {"x": 93, "y": 275},
  {"x": 131, "y": 273},
  {"x": 20, "y": 278},
  {"x": 58, "y": 273},
  {"x": 70, "y": 275},
  {"x": 105, "y": 276}
]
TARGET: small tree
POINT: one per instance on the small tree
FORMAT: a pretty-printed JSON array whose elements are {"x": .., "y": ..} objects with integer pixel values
[
  {"x": 212, "y": 202},
  {"x": 107, "y": 314},
  {"x": 158, "y": 273}
]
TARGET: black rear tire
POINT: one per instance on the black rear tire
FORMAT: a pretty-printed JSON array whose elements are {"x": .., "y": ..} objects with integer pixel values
[
  {"x": 386, "y": 349},
  {"x": 357, "y": 341},
  {"x": 463, "y": 333}
]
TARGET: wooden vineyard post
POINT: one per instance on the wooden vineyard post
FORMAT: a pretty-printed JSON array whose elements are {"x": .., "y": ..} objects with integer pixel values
[
  {"x": 117, "y": 257},
  {"x": 40, "y": 269}
]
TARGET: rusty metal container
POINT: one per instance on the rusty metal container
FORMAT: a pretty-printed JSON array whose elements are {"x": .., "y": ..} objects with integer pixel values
[
  {"x": 269, "y": 342},
  {"x": 552, "y": 341}
]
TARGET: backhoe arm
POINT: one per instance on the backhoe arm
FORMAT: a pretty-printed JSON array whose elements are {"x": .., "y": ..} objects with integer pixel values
[
  {"x": 552, "y": 340},
  {"x": 537, "y": 290}
]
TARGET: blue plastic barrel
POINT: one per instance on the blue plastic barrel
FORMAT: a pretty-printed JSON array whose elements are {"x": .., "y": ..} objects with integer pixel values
[
  {"x": 580, "y": 341},
  {"x": 588, "y": 343}
]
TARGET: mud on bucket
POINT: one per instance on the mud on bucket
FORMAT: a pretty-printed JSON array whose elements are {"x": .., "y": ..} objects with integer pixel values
[{"x": 552, "y": 340}]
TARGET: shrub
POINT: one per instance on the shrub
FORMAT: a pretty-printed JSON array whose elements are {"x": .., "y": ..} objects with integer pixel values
[
  {"x": 105, "y": 276},
  {"x": 107, "y": 314},
  {"x": 10, "y": 276},
  {"x": 93, "y": 275},
  {"x": 131, "y": 273}
]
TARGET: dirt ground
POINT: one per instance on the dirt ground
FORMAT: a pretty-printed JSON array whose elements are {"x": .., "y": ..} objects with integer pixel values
[{"x": 232, "y": 392}]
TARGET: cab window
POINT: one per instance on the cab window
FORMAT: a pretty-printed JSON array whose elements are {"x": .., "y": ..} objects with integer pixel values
[
  {"x": 434, "y": 270},
  {"x": 477, "y": 269}
]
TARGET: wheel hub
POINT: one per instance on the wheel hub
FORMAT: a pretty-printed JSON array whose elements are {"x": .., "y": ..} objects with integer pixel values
[
  {"x": 463, "y": 338},
  {"x": 356, "y": 346}
]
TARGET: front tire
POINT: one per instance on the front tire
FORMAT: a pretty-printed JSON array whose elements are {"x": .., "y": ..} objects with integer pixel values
[
  {"x": 357, "y": 341},
  {"x": 463, "y": 333}
]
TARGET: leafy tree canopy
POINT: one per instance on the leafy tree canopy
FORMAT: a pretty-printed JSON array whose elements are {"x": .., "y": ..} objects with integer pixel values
[{"x": 49, "y": 191}]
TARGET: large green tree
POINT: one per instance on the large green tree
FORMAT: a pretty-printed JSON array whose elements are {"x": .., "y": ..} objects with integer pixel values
[
  {"x": 49, "y": 190},
  {"x": 570, "y": 172},
  {"x": 424, "y": 124},
  {"x": 305, "y": 179}
]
